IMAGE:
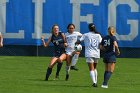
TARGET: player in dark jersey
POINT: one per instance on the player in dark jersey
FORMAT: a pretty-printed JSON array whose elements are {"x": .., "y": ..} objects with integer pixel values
[
  {"x": 59, "y": 42},
  {"x": 110, "y": 47}
]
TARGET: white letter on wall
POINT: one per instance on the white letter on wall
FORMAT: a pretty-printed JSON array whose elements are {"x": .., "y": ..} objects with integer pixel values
[
  {"x": 76, "y": 18},
  {"x": 133, "y": 23},
  {"x": 38, "y": 18},
  {"x": 3, "y": 22}
]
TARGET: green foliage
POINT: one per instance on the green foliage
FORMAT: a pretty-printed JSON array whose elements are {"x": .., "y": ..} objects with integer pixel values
[{"x": 26, "y": 75}]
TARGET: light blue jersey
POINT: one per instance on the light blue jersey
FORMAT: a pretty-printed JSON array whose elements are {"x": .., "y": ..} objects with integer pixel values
[{"x": 91, "y": 41}]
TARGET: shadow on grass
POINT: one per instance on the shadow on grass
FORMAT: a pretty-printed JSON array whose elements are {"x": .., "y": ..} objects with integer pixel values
[
  {"x": 44, "y": 80},
  {"x": 54, "y": 83}
]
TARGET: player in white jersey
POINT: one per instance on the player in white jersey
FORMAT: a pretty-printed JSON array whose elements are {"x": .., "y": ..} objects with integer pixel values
[
  {"x": 71, "y": 39},
  {"x": 1, "y": 40},
  {"x": 92, "y": 42}
]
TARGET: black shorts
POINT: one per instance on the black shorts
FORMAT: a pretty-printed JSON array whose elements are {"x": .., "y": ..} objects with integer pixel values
[
  {"x": 109, "y": 58},
  {"x": 58, "y": 54}
]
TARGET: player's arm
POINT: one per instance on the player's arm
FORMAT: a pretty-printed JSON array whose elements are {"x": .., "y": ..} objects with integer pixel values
[
  {"x": 79, "y": 34},
  {"x": 46, "y": 44},
  {"x": 116, "y": 48},
  {"x": 64, "y": 38},
  {"x": 1, "y": 40},
  {"x": 80, "y": 40},
  {"x": 100, "y": 42}
]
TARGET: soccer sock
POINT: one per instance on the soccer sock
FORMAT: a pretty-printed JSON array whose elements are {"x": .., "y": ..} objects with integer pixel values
[
  {"x": 96, "y": 75},
  {"x": 107, "y": 76},
  {"x": 67, "y": 69},
  {"x": 74, "y": 59},
  {"x": 92, "y": 75},
  {"x": 49, "y": 71},
  {"x": 59, "y": 65}
]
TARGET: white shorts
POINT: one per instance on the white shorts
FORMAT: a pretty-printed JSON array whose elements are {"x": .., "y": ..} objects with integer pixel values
[
  {"x": 92, "y": 60},
  {"x": 69, "y": 53}
]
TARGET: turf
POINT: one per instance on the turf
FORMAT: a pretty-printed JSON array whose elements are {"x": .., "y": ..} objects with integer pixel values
[{"x": 26, "y": 75}]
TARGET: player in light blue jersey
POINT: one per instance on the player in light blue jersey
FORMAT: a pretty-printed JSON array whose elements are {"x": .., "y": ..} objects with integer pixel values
[
  {"x": 72, "y": 55},
  {"x": 92, "y": 41}
]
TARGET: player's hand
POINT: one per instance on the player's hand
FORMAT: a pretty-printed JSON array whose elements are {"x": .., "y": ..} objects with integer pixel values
[
  {"x": 117, "y": 53},
  {"x": 77, "y": 42},
  {"x": 42, "y": 38}
]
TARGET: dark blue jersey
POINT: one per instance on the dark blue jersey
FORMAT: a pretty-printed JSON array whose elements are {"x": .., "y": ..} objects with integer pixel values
[
  {"x": 108, "y": 43},
  {"x": 109, "y": 54},
  {"x": 58, "y": 42}
]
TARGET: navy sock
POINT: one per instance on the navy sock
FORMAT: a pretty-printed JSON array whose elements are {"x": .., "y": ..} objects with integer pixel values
[
  {"x": 49, "y": 71},
  {"x": 59, "y": 65},
  {"x": 107, "y": 76}
]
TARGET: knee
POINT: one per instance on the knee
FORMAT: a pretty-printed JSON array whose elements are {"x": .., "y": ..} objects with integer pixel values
[
  {"x": 51, "y": 65},
  {"x": 59, "y": 60}
]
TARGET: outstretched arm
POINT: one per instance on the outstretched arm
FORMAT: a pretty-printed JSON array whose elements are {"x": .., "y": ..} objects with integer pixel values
[
  {"x": 81, "y": 39},
  {"x": 46, "y": 44},
  {"x": 1, "y": 40}
]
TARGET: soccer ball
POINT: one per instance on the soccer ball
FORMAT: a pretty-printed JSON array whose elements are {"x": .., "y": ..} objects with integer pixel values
[{"x": 78, "y": 47}]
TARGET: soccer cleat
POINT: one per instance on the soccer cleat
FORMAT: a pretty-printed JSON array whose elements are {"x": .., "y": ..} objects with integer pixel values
[
  {"x": 74, "y": 68},
  {"x": 94, "y": 85},
  {"x": 104, "y": 86},
  {"x": 67, "y": 77},
  {"x": 46, "y": 79},
  {"x": 56, "y": 77}
]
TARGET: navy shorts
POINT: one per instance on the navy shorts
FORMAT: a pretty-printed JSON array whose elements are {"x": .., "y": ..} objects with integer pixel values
[
  {"x": 109, "y": 58},
  {"x": 58, "y": 54}
]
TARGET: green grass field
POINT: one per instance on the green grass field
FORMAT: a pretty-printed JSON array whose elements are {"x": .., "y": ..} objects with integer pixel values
[{"x": 26, "y": 75}]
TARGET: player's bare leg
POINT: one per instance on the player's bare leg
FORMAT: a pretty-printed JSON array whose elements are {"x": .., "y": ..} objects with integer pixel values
[
  {"x": 59, "y": 65},
  {"x": 92, "y": 74},
  {"x": 68, "y": 62},
  {"x": 74, "y": 61},
  {"x": 49, "y": 69},
  {"x": 109, "y": 68}
]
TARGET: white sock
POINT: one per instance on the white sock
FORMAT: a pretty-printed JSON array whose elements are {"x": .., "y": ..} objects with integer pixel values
[
  {"x": 96, "y": 75},
  {"x": 92, "y": 75},
  {"x": 74, "y": 59},
  {"x": 67, "y": 69}
]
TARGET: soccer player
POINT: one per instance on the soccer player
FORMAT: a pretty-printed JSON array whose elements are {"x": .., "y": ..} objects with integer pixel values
[
  {"x": 110, "y": 47},
  {"x": 59, "y": 42},
  {"x": 71, "y": 38},
  {"x": 92, "y": 41},
  {"x": 1, "y": 40},
  {"x": 75, "y": 58}
]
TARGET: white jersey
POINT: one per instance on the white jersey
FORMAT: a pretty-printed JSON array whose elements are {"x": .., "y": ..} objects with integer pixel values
[
  {"x": 71, "y": 38},
  {"x": 91, "y": 41}
]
